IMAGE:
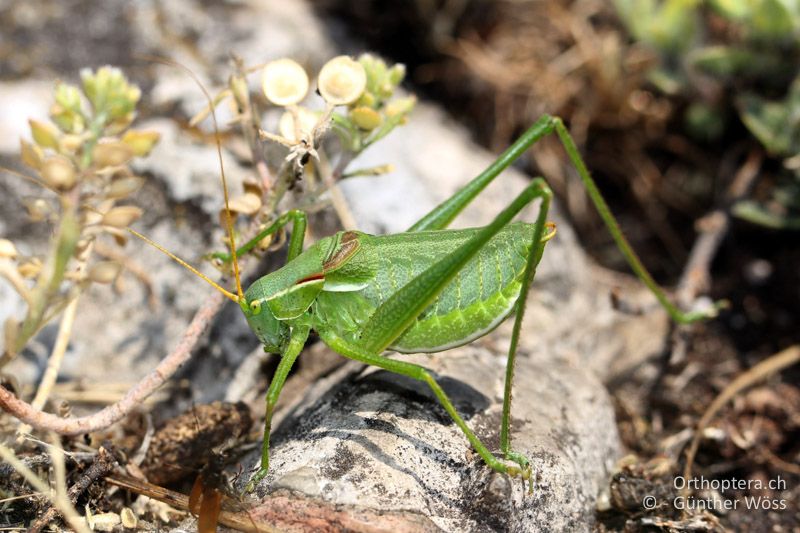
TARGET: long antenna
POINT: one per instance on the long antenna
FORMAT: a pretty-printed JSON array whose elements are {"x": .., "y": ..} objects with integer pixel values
[
  {"x": 183, "y": 263},
  {"x": 228, "y": 218}
]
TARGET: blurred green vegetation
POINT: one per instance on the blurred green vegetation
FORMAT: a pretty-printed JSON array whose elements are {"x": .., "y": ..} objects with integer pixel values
[{"x": 732, "y": 59}]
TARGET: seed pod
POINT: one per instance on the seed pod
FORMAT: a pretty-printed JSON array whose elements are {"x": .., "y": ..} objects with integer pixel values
[
  {"x": 31, "y": 154},
  {"x": 366, "y": 118},
  {"x": 59, "y": 172},
  {"x": 122, "y": 216},
  {"x": 44, "y": 134},
  {"x": 30, "y": 269},
  {"x": 7, "y": 249},
  {"x": 252, "y": 187},
  {"x": 342, "y": 80},
  {"x": 367, "y": 99},
  {"x": 284, "y": 82},
  {"x": 111, "y": 153},
  {"x": 141, "y": 142},
  {"x": 104, "y": 272},
  {"x": 38, "y": 208},
  {"x": 81, "y": 246},
  {"x": 122, "y": 187},
  {"x": 70, "y": 143}
]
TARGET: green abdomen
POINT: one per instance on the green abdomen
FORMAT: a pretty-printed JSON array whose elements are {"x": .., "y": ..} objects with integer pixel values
[{"x": 481, "y": 295}]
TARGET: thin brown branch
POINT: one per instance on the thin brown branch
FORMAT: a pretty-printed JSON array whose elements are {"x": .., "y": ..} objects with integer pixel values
[
  {"x": 135, "y": 396},
  {"x": 713, "y": 227}
]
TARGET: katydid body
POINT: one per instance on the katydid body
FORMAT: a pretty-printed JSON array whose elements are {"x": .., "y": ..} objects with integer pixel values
[
  {"x": 338, "y": 283},
  {"x": 426, "y": 290}
]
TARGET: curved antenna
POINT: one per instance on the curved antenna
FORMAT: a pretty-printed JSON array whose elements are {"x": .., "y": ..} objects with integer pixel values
[{"x": 228, "y": 217}]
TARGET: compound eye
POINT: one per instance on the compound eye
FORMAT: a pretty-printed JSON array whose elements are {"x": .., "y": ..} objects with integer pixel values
[{"x": 255, "y": 306}]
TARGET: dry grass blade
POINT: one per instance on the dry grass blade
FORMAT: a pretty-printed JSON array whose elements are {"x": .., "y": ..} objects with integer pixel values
[{"x": 765, "y": 368}]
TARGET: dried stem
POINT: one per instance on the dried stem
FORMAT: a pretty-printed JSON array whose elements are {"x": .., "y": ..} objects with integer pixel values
[
  {"x": 53, "y": 363},
  {"x": 17, "y": 281},
  {"x": 338, "y": 200}
]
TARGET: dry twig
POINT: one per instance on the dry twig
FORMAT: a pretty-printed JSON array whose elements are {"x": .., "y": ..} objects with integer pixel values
[{"x": 713, "y": 227}]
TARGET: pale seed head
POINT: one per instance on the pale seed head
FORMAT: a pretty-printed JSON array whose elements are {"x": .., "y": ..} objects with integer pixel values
[
  {"x": 44, "y": 134},
  {"x": 247, "y": 204},
  {"x": 70, "y": 143},
  {"x": 38, "y": 208},
  {"x": 342, "y": 80},
  {"x": 284, "y": 82},
  {"x": 140, "y": 142},
  {"x": 31, "y": 154}
]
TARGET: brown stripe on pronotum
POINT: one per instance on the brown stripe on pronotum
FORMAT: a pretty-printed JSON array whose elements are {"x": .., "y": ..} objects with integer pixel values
[{"x": 348, "y": 245}]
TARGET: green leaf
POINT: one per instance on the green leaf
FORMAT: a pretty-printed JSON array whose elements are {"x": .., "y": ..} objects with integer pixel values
[
  {"x": 758, "y": 214},
  {"x": 731, "y": 61}
]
